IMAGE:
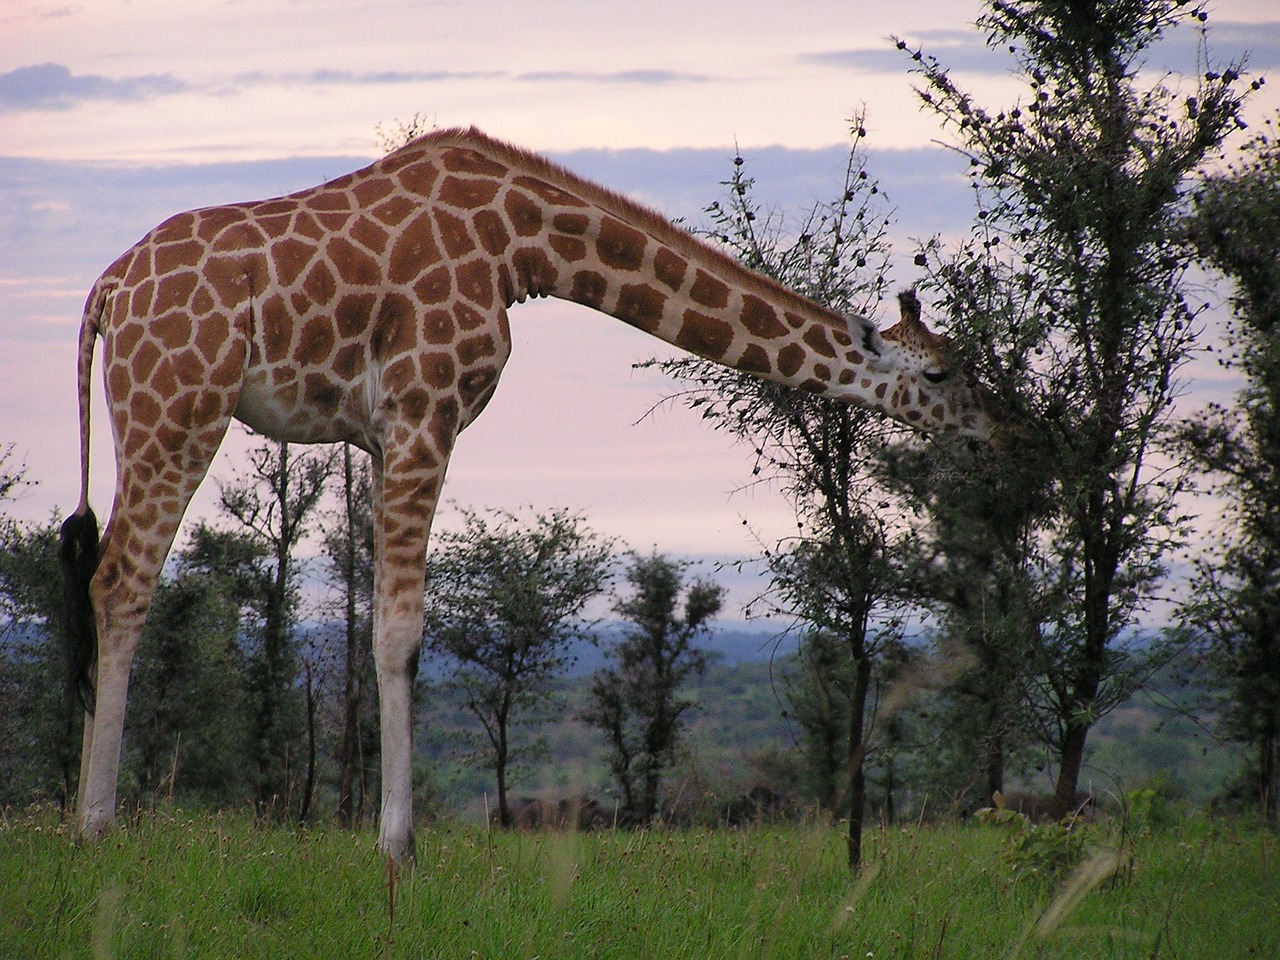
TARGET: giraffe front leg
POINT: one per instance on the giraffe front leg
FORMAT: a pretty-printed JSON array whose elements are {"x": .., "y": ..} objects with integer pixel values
[
  {"x": 405, "y": 493},
  {"x": 396, "y": 656}
]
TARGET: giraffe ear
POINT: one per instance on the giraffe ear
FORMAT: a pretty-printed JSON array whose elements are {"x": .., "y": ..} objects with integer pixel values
[
  {"x": 909, "y": 326},
  {"x": 909, "y": 308},
  {"x": 865, "y": 335},
  {"x": 910, "y": 329}
]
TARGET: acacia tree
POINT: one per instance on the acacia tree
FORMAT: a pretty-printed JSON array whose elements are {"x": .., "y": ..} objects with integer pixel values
[
  {"x": 1080, "y": 186},
  {"x": 505, "y": 600},
  {"x": 635, "y": 700},
  {"x": 274, "y": 504},
  {"x": 1236, "y": 602},
  {"x": 836, "y": 575}
]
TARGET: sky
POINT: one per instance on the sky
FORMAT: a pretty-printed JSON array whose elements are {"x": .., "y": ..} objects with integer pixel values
[{"x": 115, "y": 114}]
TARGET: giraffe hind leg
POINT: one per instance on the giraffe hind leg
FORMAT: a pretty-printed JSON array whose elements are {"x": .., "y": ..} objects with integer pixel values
[
  {"x": 144, "y": 522},
  {"x": 163, "y": 451}
]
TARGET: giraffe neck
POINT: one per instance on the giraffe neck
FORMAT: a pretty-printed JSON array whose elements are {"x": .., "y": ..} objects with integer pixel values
[{"x": 555, "y": 234}]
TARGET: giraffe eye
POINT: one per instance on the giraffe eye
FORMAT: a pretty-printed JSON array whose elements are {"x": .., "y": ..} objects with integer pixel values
[{"x": 936, "y": 376}]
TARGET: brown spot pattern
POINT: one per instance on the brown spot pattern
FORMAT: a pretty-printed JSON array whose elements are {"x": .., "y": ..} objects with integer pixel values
[
  {"x": 790, "y": 360},
  {"x": 816, "y": 338},
  {"x": 619, "y": 245},
  {"x": 589, "y": 288},
  {"x": 462, "y": 160},
  {"x": 535, "y": 270},
  {"x": 704, "y": 335},
  {"x": 492, "y": 231},
  {"x": 454, "y": 235},
  {"x": 570, "y": 248},
  {"x": 467, "y": 194},
  {"x": 475, "y": 282},
  {"x": 709, "y": 291},
  {"x": 754, "y": 360},
  {"x": 761, "y": 319},
  {"x": 669, "y": 268},
  {"x": 574, "y": 224},
  {"x": 549, "y": 192},
  {"x": 640, "y": 306},
  {"x": 523, "y": 214}
]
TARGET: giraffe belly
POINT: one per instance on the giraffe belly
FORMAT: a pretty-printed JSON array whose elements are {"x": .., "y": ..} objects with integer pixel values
[{"x": 298, "y": 409}]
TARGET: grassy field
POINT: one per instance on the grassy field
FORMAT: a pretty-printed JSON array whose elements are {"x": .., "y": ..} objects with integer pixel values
[{"x": 216, "y": 886}]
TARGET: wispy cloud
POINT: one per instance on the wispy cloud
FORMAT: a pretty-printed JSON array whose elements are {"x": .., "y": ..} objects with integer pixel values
[
  {"x": 362, "y": 78},
  {"x": 1180, "y": 50},
  {"x": 52, "y": 86},
  {"x": 359, "y": 78},
  {"x": 958, "y": 50},
  {"x": 1259, "y": 43},
  {"x": 13, "y": 16},
  {"x": 645, "y": 77}
]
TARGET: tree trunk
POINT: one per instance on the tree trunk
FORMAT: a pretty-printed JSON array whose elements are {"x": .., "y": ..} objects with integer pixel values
[
  {"x": 309, "y": 788},
  {"x": 888, "y": 793},
  {"x": 504, "y": 807},
  {"x": 271, "y": 742},
  {"x": 500, "y": 748},
  {"x": 350, "y": 688},
  {"x": 1101, "y": 560},
  {"x": 1269, "y": 775},
  {"x": 995, "y": 762},
  {"x": 1072, "y": 760},
  {"x": 857, "y": 758}
]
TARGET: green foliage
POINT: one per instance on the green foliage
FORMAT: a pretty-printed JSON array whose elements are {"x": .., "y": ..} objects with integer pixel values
[
  {"x": 348, "y": 544},
  {"x": 273, "y": 504},
  {"x": 1150, "y": 807},
  {"x": 189, "y": 654},
  {"x": 40, "y": 720},
  {"x": 818, "y": 690},
  {"x": 13, "y": 476},
  {"x": 839, "y": 572}
]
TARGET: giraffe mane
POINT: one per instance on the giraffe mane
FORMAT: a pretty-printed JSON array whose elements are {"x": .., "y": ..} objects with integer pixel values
[{"x": 636, "y": 215}]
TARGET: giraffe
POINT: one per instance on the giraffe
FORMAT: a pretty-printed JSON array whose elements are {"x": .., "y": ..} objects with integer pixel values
[{"x": 373, "y": 309}]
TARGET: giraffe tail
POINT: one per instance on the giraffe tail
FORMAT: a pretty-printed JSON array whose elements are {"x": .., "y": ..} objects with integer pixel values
[
  {"x": 78, "y": 553},
  {"x": 78, "y": 547}
]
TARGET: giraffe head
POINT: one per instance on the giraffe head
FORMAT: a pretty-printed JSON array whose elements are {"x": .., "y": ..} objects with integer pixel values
[{"x": 925, "y": 386}]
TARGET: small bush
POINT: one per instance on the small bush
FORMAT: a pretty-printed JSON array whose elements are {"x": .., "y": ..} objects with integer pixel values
[{"x": 1047, "y": 852}]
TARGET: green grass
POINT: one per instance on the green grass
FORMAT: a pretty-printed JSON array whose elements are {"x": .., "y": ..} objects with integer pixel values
[{"x": 216, "y": 886}]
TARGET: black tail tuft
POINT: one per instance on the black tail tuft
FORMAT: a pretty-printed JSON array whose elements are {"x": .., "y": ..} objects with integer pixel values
[{"x": 78, "y": 553}]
